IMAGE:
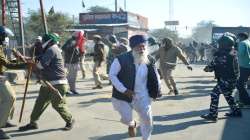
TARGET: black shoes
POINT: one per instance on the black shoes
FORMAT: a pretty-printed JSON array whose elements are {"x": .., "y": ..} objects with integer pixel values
[
  {"x": 3, "y": 135},
  {"x": 8, "y": 124},
  {"x": 69, "y": 125},
  {"x": 74, "y": 92},
  {"x": 214, "y": 118},
  {"x": 234, "y": 114},
  {"x": 170, "y": 92},
  {"x": 209, "y": 117},
  {"x": 97, "y": 87},
  {"x": 32, "y": 126},
  {"x": 29, "y": 126},
  {"x": 176, "y": 92}
]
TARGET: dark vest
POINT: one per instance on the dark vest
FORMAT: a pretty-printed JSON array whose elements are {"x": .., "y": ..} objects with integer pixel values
[{"x": 127, "y": 77}]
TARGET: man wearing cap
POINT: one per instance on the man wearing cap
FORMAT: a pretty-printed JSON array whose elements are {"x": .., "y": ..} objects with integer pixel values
[
  {"x": 52, "y": 70},
  {"x": 35, "y": 51},
  {"x": 37, "y": 47},
  {"x": 122, "y": 47},
  {"x": 168, "y": 54},
  {"x": 7, "y": 93},
  {"x": 72, "y": 58},
  {"x": 244, "y": 63},
  {"x": 135, "y": 83},
  {"x": 99, "y": 58}
]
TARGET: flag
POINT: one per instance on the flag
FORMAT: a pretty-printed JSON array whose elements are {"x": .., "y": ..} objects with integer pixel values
[
  {"x": 83, "y": 5},
  {"x": 51, "y": 11}
]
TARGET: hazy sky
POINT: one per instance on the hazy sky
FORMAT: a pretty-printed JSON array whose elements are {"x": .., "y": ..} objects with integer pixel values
[{"x": 188, "y": 12}]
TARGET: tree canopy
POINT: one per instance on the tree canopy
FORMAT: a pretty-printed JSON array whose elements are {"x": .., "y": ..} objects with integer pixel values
[
  {"x": 203, "y": 31},
  {"x": 159, "y": 34},
  {"x": 56, "y": 22}
]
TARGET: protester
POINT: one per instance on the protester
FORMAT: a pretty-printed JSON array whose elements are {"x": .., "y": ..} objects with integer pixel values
[
  {"x": 73, "y": 52},
  {"x": 54, "y": 87},
  {"x": 135, "y": 82}
]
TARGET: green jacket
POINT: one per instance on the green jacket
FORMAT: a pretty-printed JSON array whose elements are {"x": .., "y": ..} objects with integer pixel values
[{"x": 10, "y": 65}]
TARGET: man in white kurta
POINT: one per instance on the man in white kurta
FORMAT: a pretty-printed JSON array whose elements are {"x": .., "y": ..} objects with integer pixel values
[{"x": 141, "y": 101}]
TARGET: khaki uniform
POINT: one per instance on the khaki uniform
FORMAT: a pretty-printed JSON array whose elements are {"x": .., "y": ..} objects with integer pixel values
[
  {"x": 99, "y": 58},
  {"x": 46, "y": 97},
  {"x": 168, "y": 61},
  {"x": 54, "y": 70},
  {"x": 7, "y": 94}
]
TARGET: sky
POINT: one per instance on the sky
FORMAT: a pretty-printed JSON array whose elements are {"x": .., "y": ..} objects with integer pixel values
[{"x": 187, "y": 12}]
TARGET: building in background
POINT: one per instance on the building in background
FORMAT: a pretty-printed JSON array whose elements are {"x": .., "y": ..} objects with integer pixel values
[
  {"x": 121, "y": 24},
  {"x": 217, "y": 32}
]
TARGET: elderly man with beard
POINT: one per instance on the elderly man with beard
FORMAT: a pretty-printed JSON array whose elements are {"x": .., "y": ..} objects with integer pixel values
[
  {"x": 168, "y": 54},
  {"x": 135, "y": 83}
]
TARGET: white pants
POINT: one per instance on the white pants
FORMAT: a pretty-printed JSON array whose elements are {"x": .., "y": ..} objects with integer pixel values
[
  {"x": 72, "y": 74},
  {"x": 143, "y": 107}
]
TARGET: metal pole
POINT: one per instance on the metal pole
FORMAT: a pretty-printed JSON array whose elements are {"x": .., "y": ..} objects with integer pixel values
[
  {"x": 43, "y": 17},
  {"x": 125, "y": 5},
  {"x": 20, "y": 18},
  {"x": 3, "y": 12},
  {"x": 115, "y": 5}
]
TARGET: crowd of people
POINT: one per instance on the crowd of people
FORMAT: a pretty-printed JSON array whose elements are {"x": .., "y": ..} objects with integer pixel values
[{"x": 132, "y": 70}]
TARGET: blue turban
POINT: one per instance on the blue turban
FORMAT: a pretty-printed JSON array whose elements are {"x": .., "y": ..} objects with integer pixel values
[{"x": 136, "y": 40}]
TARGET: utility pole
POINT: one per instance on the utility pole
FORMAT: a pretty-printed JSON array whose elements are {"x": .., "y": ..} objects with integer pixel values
[
  {"x": 21, "y": 25},
  {"x": 115, "y": 5},
  {"x": 125, "y": 5},
  {"x": 43, "y": 17},
  {"x": 171, "y": 10},
  {"x": 3, "y": 12}
]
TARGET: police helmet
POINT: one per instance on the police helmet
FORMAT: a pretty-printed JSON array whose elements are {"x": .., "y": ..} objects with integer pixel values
[{"x": 226, "y": 41}]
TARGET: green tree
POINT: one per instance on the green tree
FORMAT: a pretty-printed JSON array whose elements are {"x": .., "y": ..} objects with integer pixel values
[
  {"x": 203, "y": 31},
  {"x": 56, "y": 22},
  {"x": 98, "y": 9}
]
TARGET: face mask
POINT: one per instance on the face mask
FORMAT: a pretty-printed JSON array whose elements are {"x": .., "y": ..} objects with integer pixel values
[
  {"x": 46, "y": 43},
  {"x": 6, "y": 41}
]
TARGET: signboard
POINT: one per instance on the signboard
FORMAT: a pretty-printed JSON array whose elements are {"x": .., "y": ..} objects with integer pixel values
[
  {"x": 103, "y": 18},
  {"x": 217, "y": 32},
  {"x": 173, "y": 22},
  {"x": 137, "y": 21}
]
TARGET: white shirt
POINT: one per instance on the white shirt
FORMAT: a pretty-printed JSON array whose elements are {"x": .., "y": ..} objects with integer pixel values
[{"x": 140, "y": 87}]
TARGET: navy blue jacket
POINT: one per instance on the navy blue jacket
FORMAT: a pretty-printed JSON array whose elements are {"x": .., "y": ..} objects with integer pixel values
[
  {"x": 127, "y": 77},
  {"x": 225, "y": 65}
]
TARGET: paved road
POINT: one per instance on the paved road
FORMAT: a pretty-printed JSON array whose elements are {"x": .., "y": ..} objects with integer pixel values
[{"x": 175, "y": 117}]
